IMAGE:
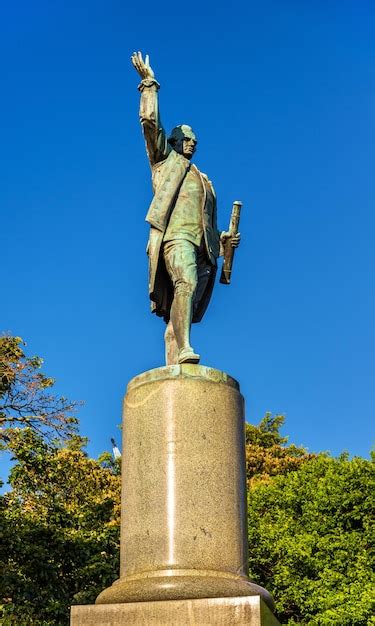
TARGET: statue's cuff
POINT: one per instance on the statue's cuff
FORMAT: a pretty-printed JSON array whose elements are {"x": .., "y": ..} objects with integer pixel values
[{"x": 148, "y": 82}]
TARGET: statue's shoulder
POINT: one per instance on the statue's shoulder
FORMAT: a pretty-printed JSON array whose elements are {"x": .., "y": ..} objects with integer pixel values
[
  {"x": 170, "y": 171},
  {"x": 171, "y": 158},
  {"x": 208, "y": 181},
  {"x": 204, "y": 176}
]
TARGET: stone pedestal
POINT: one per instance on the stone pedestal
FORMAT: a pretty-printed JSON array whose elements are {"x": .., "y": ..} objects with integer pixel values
[
  {"x": 249, "y": 611},
  {"x": 183, "y": 518}
]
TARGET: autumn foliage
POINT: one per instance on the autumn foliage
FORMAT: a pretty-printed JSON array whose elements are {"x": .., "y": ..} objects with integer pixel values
[
  {"x": 26, "y": 399},
  {"x": 267, "y": 454}
]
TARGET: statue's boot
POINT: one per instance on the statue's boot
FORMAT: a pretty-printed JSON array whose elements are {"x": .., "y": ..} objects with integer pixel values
[{"x": 187, "y": 355}]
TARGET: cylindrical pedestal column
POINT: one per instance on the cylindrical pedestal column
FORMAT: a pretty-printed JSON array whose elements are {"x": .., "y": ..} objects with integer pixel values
[{"x": 183, "y": 520}]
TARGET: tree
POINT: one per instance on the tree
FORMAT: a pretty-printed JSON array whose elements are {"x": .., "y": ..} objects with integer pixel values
[
  {"x": 267, "y": 454},
  {"x": 65, "y": 509},
  {"x": 25, "y": 396},
  {"x": 310, "y": 541}
]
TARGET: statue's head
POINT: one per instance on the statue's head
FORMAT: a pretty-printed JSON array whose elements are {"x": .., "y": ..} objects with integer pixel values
[{"x": 183, "y": 140}]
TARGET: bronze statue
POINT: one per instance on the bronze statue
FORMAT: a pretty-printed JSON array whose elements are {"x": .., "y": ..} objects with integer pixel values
[{"x": 184, "y": 241}]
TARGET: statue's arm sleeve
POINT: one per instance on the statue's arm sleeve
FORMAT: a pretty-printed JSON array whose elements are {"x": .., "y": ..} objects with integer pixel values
[{"x": 156, "y": 140}]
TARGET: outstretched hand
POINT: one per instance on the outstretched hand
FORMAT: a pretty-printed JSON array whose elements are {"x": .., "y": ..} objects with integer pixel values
[{"x": 142, "y": 66}]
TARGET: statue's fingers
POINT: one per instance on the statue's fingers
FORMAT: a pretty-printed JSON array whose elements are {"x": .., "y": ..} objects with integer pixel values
[
  {"x": 147, "y": 61},
  {"x": 143, "y": 65},
  {"x": 139, "y": 66}
]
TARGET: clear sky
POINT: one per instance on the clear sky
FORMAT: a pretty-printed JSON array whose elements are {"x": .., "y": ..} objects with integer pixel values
[{"x": 282, "y": 98}]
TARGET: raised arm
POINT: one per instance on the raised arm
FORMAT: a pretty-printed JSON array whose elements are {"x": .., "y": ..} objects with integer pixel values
[{"x": 156, "y": 141}]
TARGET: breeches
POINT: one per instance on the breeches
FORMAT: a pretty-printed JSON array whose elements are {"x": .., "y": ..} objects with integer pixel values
[{"x": 188, "y": 267}]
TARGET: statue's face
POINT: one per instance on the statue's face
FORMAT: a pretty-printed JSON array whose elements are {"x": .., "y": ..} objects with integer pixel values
[{"x": 186, "y": 144}]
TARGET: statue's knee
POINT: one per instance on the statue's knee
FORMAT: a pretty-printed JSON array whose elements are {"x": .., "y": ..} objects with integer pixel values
[{"x": 186, "y": 286}]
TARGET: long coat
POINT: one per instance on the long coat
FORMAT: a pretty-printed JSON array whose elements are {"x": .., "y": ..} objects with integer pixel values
[{"x": 169, "y": 169}]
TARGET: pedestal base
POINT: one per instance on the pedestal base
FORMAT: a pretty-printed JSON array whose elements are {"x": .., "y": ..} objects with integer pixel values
[
  {"x": 249, "y": 611},
  {"x": 181, "y": 585}
]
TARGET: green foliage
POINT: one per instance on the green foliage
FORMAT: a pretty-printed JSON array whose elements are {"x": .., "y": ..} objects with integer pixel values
[
  {"x": 267, "y": 454},
  {"x": 25, "y": 397},
  {"x": 310, "y": 541},
  {"x": 60, "y": 543}
]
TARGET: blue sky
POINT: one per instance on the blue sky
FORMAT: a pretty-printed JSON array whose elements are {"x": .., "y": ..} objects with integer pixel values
[{"x": 282, "y": 98}]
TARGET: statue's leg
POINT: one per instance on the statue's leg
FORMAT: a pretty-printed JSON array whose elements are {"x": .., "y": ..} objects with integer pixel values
[
  {"x": 181, "y": 315},
  {"x": 180, "y": 261},
  {"x": 171, "y": 347}
]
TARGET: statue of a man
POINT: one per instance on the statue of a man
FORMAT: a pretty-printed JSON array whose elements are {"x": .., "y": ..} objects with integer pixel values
[{"x": 184, "y": 241}]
